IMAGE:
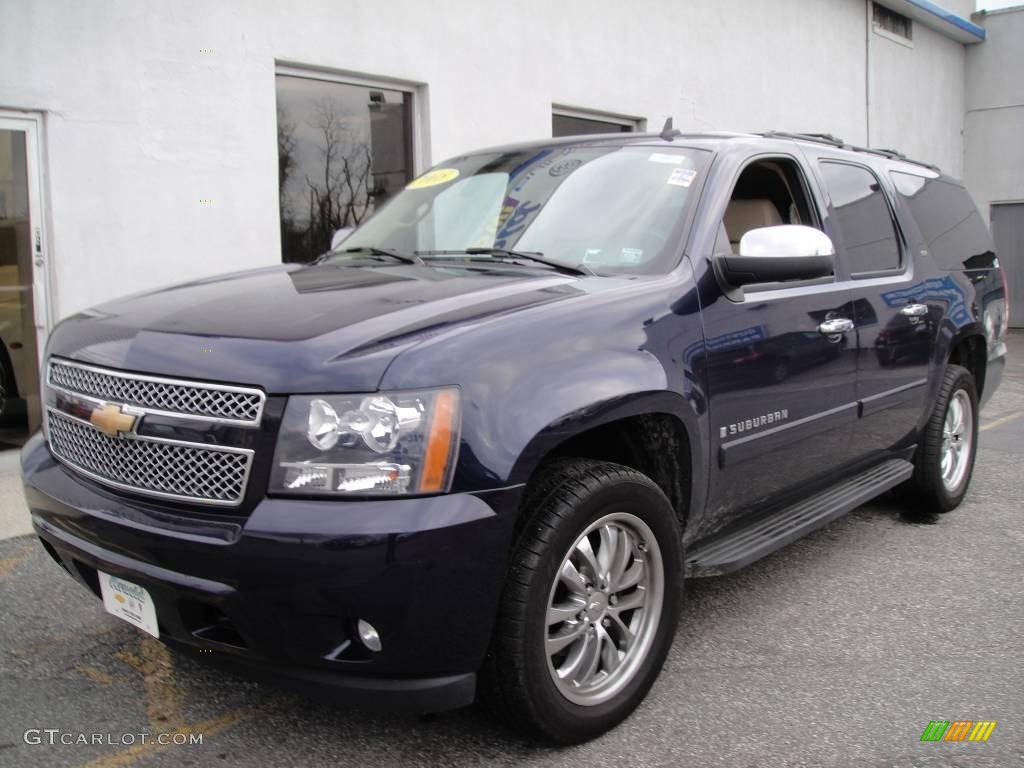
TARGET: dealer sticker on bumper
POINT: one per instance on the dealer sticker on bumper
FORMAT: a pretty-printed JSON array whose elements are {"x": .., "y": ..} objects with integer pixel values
[{"x": 129, "y": 602}]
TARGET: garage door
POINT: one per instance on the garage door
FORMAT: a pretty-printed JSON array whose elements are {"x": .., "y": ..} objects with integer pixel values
[{"x": 1008, "y": 232}]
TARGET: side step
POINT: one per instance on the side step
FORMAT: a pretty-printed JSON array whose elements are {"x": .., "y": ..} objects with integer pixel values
[{"x": 737, "y": 548}]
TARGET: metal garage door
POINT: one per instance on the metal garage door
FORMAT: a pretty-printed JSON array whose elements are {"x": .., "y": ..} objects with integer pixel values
[{"x": 1008, "y": 232}]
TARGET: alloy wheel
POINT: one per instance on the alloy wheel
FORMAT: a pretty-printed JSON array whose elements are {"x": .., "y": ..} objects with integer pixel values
[
  {"x": 957, "y": 440},
  {"x": 603, "y": 609}
]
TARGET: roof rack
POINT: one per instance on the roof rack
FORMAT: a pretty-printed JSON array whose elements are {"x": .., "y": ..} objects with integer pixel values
[
  {"x": 896, "y": 155},
  {"x": 832, "y": 141},
  {"x": 819, "y": 138}
]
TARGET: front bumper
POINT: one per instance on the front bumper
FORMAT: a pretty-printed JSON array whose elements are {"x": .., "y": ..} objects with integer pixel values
[{"x": 278, "y": 594}]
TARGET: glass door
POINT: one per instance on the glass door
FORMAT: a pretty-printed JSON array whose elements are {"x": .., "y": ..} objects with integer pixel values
[{"x": 23, "y": 309}]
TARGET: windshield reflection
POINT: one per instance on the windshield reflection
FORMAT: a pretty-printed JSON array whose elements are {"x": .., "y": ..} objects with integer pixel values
[{"x": 601, "y": 208}]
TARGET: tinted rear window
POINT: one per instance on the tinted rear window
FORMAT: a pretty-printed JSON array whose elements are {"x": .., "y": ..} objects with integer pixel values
[{"x": 948, "y": 219}]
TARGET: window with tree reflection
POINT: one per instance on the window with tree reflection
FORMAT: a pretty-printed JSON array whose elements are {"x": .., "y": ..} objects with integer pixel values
[{"x": 342, "y": 150}]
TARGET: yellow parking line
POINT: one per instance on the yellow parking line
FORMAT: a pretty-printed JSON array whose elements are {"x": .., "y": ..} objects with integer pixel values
[
  {"x": 164, "y": 697},
  {"x": 96, "y": 675},
  {"x": 1003, "y": 420},
  {"x": 165, "y": 705},
  {"x": 209, "y": 727},
  {"x": 20, "y": 555}
]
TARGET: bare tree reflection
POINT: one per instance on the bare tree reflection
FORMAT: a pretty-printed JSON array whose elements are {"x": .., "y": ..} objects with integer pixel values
[
  {"x": 342, "y": 149},
  {"x": 341, "y": 195}
]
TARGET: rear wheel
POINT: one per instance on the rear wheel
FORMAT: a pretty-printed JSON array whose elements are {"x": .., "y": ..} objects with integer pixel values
[
  {"x": 590, "y": 604},
  {"x": 945, "y": 457}
]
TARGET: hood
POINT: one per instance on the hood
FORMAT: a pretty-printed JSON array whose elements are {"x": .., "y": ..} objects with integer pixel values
[{"x": 292, "y": 328}]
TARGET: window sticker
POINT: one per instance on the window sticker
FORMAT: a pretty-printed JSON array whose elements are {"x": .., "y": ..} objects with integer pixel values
[
  {"x": 681, "y": 177},
  {"x": 632, "y": 255},
  {"x": 565, "y": 167},
  {"x": 659, "y": 157},
  {"x": 433, "y": 178}
]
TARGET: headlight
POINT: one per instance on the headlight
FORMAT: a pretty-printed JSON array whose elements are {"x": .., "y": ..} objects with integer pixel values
[{"x": 382, "y": 444}]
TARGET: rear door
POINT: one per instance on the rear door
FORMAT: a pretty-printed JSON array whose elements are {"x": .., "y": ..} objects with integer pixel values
[{"x": 895, "y": 309}]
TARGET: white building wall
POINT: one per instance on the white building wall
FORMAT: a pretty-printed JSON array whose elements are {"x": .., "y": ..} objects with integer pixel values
[
  {"x": 142, "y": 125},
  {"x": 916, "y": 94},
  {"x": 994, "y": 124}
]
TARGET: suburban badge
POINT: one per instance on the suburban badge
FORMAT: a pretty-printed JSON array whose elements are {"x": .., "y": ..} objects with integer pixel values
[{"x": 772, "y": 417}]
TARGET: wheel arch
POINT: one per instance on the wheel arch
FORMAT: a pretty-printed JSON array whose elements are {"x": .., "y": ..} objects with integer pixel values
[
  {"x": 633, "y": 432},
  {"x": 968, "y": 349}
]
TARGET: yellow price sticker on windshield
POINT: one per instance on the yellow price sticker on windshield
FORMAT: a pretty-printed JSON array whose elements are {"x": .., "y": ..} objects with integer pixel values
[{"x": 433, "y": 178}]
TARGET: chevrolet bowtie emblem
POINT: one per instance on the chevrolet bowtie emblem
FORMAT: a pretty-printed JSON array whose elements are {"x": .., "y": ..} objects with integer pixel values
[{"x": 113, "y": 420}]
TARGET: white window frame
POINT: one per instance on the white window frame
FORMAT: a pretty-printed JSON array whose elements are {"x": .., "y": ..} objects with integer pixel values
[
  {"x": 420, "y": 114},
  {"x": 638, "y": 124}
]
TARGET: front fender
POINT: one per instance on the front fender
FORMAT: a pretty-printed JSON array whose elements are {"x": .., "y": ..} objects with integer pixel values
[
  {"x": 533, "y": 379},
  {"x": 588, "y": 417}
]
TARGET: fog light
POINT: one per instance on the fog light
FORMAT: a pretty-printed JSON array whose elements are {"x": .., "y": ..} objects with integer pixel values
[{"x": 368, "y": 635}]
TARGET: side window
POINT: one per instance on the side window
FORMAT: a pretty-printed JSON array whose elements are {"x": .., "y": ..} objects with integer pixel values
[
  {"x": 948, "y": 219},
  {"x": 862, "y": 217},
  {"x": 768, "y": 192}
]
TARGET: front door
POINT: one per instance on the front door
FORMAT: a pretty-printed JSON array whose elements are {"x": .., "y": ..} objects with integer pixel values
[
  {"x": 782, "y": 393},
  {"x": 24, "y": 315}
]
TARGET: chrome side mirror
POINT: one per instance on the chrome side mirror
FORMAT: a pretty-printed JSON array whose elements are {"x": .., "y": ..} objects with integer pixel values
[{"x": 775, "y": 254}]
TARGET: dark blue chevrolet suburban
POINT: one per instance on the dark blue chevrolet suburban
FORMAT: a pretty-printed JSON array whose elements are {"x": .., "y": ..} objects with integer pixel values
[{"x": 476, "y": 449}]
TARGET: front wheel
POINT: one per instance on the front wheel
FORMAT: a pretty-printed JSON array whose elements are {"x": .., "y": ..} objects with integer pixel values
[
  {"x": 945, "y": 457},
  {"x": 591, "y": 602}
]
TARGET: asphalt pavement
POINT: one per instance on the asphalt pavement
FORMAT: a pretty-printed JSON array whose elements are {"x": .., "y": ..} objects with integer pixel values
[{"x": 836, "y": 651}]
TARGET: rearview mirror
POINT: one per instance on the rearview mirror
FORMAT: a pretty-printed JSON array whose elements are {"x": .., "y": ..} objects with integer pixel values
[
  {"x": 339, "y": 236},
  {"x": 775, "y": 254}
]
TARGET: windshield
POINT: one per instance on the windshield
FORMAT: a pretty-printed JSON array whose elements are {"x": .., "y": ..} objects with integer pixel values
[{"x": 609, "y": 208}]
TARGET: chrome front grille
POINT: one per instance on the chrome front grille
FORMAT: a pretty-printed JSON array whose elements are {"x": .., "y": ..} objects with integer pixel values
[
  {"x": 97, "y": 425},
  {"x": 214, "y": 402},
  {"x": 183, "y": 471}
]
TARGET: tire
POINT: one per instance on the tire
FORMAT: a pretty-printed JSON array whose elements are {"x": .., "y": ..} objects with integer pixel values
[
  {"x": 936, "y": 486},
  {"x": 613, "y": 509}
]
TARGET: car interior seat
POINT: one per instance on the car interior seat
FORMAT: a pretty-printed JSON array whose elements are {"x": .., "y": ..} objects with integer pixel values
[{"x": 744, "y": 215}]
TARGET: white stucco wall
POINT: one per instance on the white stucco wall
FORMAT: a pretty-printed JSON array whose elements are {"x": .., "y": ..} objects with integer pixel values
[
  {"x": 917, "y": 97},
  {"x": 994, "y": 124},
  {"x": 141, "y": 126}
]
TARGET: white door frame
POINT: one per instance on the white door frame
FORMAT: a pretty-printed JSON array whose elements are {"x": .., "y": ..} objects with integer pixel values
[{"x": 31, "y": 123}]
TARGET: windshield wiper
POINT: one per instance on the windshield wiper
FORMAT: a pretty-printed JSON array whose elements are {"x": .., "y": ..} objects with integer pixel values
[
  {"x": 373, "y": 250},
  {"x": 506, "y": 254}
]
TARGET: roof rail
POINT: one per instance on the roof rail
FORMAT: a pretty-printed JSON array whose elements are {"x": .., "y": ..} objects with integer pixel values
[
  {"x": 820, "y": 138},
  {"x": 827, "y": 138},
  {"x": 896, "y": 155}
]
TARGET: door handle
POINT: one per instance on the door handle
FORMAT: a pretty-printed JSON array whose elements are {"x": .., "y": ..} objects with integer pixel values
[
  {"x": 835, "y": 326},
  {"x": 914, "y": 310}
]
